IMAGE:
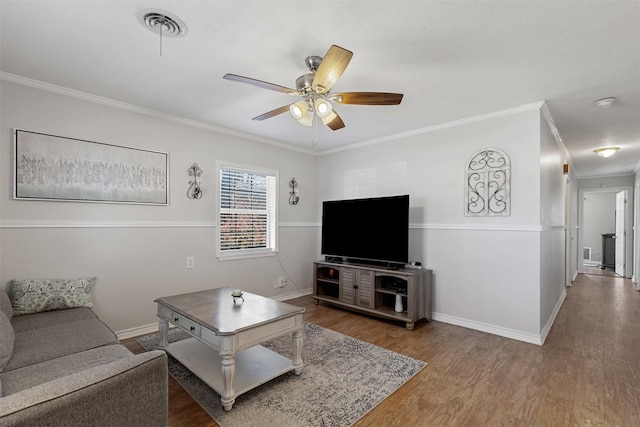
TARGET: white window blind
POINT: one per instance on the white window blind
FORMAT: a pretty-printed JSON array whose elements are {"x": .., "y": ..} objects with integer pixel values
[{"x": 247, "y": 212}]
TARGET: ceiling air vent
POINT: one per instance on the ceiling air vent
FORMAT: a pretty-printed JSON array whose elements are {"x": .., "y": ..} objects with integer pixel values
[{"x": 162, "y": 22}]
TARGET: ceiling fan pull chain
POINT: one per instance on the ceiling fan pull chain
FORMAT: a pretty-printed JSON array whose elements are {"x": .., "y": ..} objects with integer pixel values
[
  {"x": 161, "y": 25},
  {"x": 315, "y": 125}
]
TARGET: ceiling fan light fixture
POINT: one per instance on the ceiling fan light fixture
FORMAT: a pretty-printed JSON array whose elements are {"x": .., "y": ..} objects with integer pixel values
[
  {"x": 606, "y": 151},
  {"x": 307, "y": 119},
  {"x": 323, "y": 107},
  {"x": 298, "y": 109},
  {"x": 314, "y": 89}
]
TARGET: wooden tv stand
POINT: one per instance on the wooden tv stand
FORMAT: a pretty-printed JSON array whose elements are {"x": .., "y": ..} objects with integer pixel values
[{"x": 373, "y": 290}]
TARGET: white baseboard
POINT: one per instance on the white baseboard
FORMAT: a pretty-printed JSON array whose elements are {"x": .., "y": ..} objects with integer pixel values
[
  {"x": 136, "y": 332},
  {"x": 505, "y": 332},
  {"x": 552, "y": 318},
  {"x": 292, "y": 295},
  {"x": 491, "y": 329}
]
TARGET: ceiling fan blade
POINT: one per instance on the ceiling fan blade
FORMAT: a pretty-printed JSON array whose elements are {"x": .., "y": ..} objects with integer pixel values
[
  {"x": 261, "y": 84},
  {"x": 367, "y": 98},
  {"x": 272, "y": 113},
  {"x": 333, "y": 64},
  {"x": 336, "y": 123}
]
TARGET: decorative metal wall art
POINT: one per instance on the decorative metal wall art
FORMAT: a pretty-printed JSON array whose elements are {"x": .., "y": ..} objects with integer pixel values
[
  {"x": 294, "y": 195},
  {"x": 194, "y": 191},
  {"x": 487, "y": 184}
]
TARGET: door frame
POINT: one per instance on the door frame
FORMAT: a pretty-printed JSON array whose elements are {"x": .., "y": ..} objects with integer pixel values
[
  {"x": 621, "y": 233},
  {"x": 636, "y": 242},
  {"x": 570, "y": 249},
  {"x": 629, "y": 267}
]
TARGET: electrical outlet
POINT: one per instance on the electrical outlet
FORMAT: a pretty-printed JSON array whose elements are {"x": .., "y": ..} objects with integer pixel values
[
  {"x": 280, "y": 282},
  {"x": 191, "y": 261}
]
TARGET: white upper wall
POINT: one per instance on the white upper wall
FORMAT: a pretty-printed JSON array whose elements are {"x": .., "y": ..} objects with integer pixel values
[
  {"x": 430, "y": 166},
  {"x": 41, "y": 111},
  {"x": 606, "y": 182}
]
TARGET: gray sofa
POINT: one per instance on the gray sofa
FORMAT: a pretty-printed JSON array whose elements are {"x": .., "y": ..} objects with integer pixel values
[{"x": 67, "y": 368}]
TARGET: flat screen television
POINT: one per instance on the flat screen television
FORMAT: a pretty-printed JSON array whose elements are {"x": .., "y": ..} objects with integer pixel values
[{"x": 373, "y": 229}]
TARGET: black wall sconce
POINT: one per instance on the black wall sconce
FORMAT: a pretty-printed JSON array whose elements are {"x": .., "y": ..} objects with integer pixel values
[
  {"x": 294, "y": 197},
  {"x": 194, "y": 191}
]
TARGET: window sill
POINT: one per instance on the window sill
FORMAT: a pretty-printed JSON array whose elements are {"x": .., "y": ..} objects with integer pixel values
[{"x": 245, "y": 255}]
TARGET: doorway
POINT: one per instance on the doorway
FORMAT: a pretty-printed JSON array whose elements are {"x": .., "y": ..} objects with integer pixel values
[{"x": 605, "y": 231}]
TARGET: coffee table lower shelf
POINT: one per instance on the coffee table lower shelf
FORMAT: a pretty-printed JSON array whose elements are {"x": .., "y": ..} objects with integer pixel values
[{"x": 254, "y": 366}]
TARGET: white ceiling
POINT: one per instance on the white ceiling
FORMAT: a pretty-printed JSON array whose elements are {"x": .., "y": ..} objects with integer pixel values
[{"x": 452, "y": 60}]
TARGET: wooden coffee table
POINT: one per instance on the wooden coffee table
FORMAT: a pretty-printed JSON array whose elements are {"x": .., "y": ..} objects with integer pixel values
[{"x": 226, "y": 334}]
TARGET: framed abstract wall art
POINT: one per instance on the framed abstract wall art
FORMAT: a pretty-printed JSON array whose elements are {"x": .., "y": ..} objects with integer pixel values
[{"x": 57, "y": 168}]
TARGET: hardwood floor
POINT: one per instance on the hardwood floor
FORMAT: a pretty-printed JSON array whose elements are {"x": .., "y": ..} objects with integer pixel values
[
  {"x": 599, "y": 271},
  {"x": 587, "y": 372}
]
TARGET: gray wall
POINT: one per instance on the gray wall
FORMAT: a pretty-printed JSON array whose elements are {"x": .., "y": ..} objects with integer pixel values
[
  {"x": 139, "y": 252},
  {"x": 487, "y": 269},
  {"x": 489, "y": 272}
]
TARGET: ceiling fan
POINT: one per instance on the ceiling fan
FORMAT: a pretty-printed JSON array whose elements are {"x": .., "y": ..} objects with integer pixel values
[{"x": 314, "y": 89}]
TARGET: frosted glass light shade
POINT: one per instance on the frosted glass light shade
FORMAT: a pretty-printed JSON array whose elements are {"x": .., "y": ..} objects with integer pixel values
[
  {"x": 606, "y": 151},
  {"x": 307, "y": 119},
  {"x": 323, "y": 107},
  {"x": 298, "y": 109}
]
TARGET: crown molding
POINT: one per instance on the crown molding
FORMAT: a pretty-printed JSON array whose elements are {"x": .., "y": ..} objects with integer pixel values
[
  {"x": 72, "y": 93},
  {"x": 556, "y": 134},
  {"x": 439, "y": 127}
]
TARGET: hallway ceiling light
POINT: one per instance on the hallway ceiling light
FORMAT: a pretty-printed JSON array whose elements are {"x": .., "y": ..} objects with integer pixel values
[
  {"x": 606, "y": 151},
  {"x": 605, "y": 102}
]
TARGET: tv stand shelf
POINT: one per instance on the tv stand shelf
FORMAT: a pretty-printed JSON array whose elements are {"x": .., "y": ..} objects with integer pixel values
[{"x": 375, "y": 290}]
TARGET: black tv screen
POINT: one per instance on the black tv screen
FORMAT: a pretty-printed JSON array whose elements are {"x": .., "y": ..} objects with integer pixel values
[{"x": 373, "y": 229}]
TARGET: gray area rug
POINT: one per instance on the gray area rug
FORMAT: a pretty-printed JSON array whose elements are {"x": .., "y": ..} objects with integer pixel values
[{"x": 343, "y": 379}]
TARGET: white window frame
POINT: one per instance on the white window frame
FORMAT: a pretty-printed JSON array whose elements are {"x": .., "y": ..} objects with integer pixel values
[{"x": 272, "y": 210}]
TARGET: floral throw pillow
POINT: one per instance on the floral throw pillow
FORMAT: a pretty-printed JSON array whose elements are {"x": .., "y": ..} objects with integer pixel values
[{"x": 35, "y": 295}]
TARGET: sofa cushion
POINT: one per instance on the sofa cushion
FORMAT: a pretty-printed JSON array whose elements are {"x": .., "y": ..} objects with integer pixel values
[
  {"x": 48, "y": 318},
  {"x": 32, "y": 375},
  {"x": 36, "y": 295},
  {"x": 6, "y": 344},
  {"x": 5, "y": 305},
  {"x": 7, "y": 337},
  {"x": 37, "y": 345},
  {"x": 128, "y": 392}
]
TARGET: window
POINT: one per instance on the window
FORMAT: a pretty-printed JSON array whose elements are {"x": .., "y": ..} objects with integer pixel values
[{"x": 247, "y": 212}]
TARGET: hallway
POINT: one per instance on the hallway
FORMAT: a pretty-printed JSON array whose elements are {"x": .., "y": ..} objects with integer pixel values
[{"x": 599, "y": 334}]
